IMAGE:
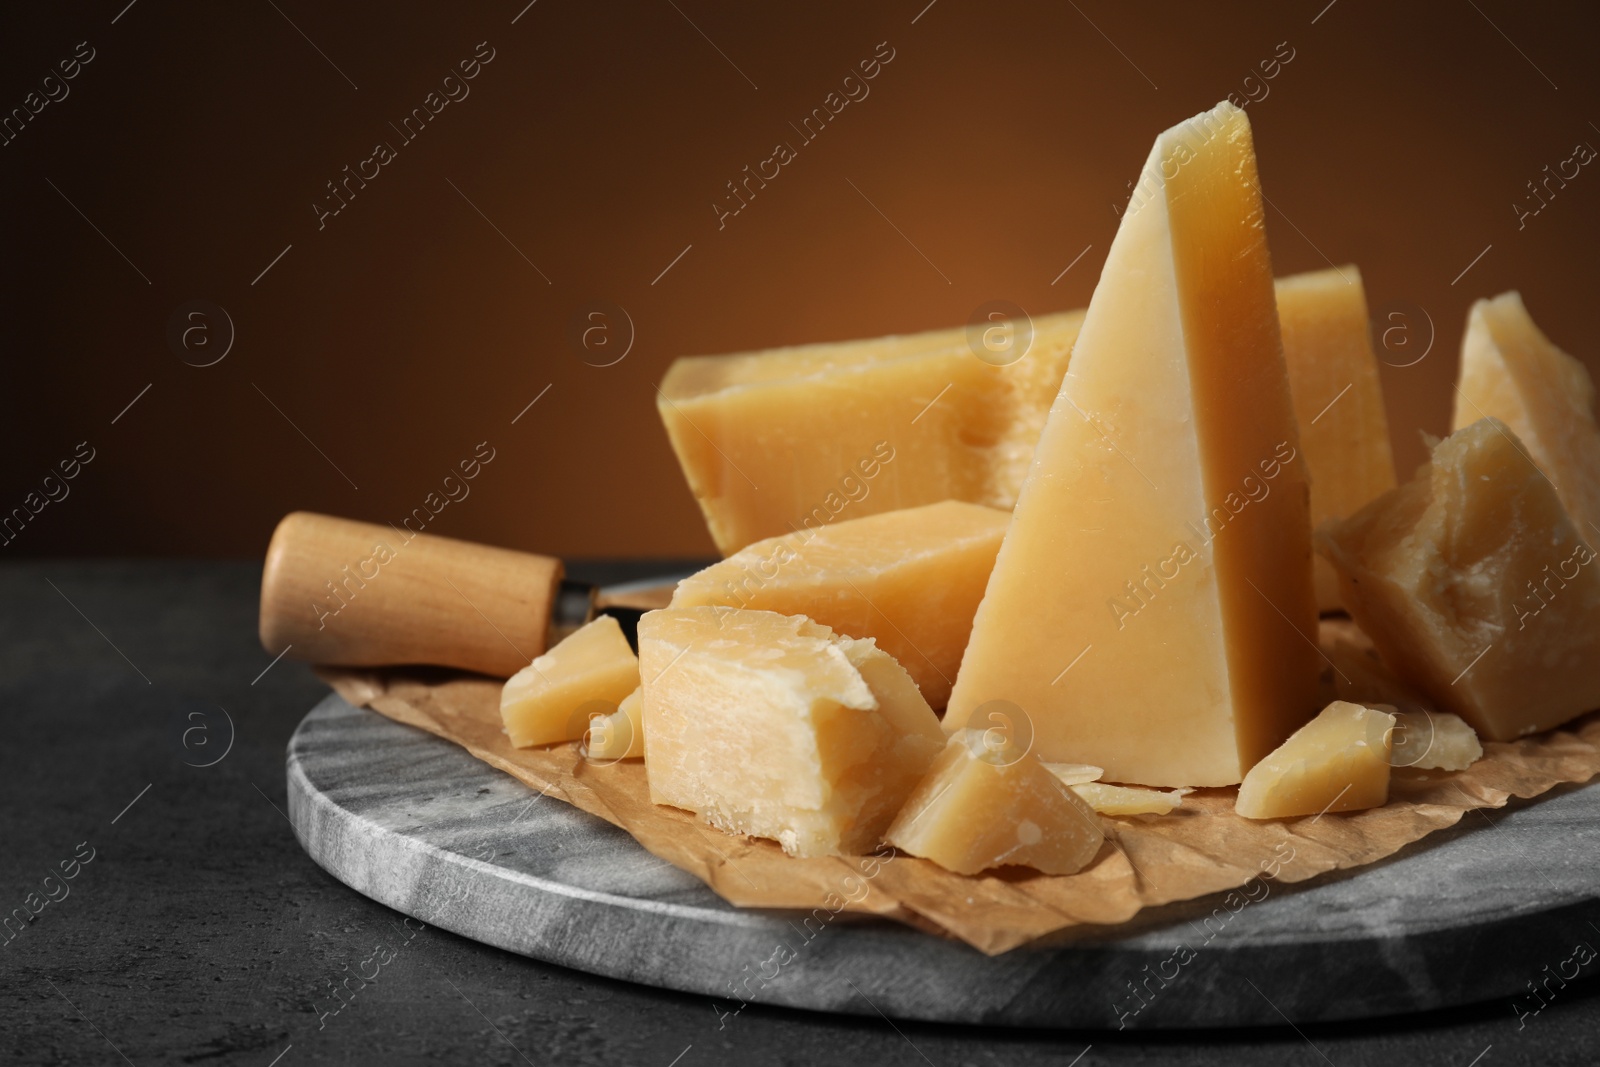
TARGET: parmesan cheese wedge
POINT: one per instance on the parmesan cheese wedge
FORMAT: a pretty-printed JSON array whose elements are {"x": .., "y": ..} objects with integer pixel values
[
  {"x": 586, "y": 675},
  {"x": 909, "y": 579},
  {"x": 796, "y": 438},
  {"x": 1338, "y": 761},
  {"x": 775, "y": 726},
  {"x": 1151, "y": 610},
  {"x": 1338, "y": 400},
  {"x": 619, "y": 735},
  {"x": 1477, "y": 587},
  {"x": 980, "y": 807},
  {"x": 1511, "y": 371}
]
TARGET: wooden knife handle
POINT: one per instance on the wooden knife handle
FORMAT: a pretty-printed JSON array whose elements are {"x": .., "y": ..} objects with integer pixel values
[{"x": 361, "y": 595}]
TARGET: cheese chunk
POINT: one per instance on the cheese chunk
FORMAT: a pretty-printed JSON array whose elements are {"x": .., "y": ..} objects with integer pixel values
[
  {"x": 1432, "y": 740},
  {"x": 619, "y": 735},
  {"x": 1338, "y": 400},
  {"x": 1128, "y": 799},
  {"x": 586, "y": 674},
  {"x": 788, "y": 439},
  {"x": 980, "y": 807},
  {"x": 1477, "y": 587},
  {"x": 1511, "y": 371},
  {"x": 909, "y": 579},
  {"x": 1151, "y": 609},
  {"x": 774, "y": 726},
  {"x": 1338, "y": 761}
]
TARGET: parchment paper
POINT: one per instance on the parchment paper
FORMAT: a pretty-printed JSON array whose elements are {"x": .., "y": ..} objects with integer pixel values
[{"x": 1147, "y": 860}]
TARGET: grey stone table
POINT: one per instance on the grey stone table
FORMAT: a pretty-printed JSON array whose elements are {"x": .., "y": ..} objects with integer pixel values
[{"x": 200, "y": 931}]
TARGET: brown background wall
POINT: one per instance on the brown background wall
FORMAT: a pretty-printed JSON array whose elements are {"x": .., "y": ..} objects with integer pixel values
[{"x": 411, "y": 326}]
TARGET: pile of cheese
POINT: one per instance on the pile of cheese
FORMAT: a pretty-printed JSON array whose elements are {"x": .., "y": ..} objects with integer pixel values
[{"x": 1097, "y": 560}]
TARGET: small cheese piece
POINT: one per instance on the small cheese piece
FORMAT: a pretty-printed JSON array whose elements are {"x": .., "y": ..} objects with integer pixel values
[
  {"x": 554, "y": 697},
  {"x": 775, "y": 726},
  {"x": 1511, "y": 371},
  {"x": 1338, "y": 400},
  {"x": 1151, "y": 609},
  {"x": 909, "y": 579},
  {"x": 619, "y": 735},
  {"x": 1075, "y": 773},
  {"x": 1107, "y": 799},
  {"x": 1338, "y": 761},
  {"x": 1128, "y": 799},
  {"x": 981, "y": 807},
  {"x": 787, "y": 439},
  {"x": 1477, "y": 587},
  {"x": 1432, "y": 740}
]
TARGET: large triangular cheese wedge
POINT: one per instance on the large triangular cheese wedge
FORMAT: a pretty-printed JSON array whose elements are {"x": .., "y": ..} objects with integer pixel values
[
  {"x": 1151, "y": 610},
  {"x": 1511, "y": 371}
]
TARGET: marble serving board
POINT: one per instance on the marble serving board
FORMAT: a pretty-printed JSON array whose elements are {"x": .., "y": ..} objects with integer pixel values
[{"x": 1466, "y": 915}]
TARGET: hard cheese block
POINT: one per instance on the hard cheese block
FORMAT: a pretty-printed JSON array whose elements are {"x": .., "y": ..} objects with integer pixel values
[
  {"x": 789, "y": 439},
  {"x": 910, "y": 579},
  {"x": 1338, "y": 761},
  {"x": 1511, "y": 371},
  {"x": 554, "y": 697},
  {"x": 980, "y": 807},
  {"x": 775, "y": 726},
  {"x": 1151, "y": 609},
  {"x": 1338, "y": 400},
  {"x": 1477, "y": 587}
]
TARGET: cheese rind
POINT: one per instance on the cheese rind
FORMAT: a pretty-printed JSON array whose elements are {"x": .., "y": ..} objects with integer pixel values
[
  {"x": 1477, "y": 587},
  {"x": 1338, "y": 399},
  {"x": 978, "y": 809},
  {"x": 1151, "y": 609},
  {"x": 1338, "y": 761},
  {"x": 909, "y": 579},
  {"x": 1510, "y": 370},
  {"x": 782, "y": 440},
  {"x": 775, "y": 726},
  {"x": 587, "y": 674}
]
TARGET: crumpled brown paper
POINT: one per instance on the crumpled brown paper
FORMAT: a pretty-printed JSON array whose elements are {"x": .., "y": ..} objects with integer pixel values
[{"x": 1199, "y": 849}]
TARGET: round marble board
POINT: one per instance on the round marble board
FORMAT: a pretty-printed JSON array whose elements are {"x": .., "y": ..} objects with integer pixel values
[{"x": 1465, "y": 915}]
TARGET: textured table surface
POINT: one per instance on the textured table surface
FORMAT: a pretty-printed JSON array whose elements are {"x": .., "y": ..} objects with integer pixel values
[{"x": 198, "y": 931}]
